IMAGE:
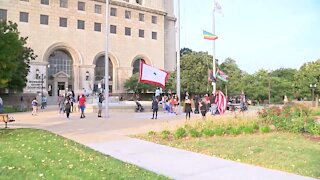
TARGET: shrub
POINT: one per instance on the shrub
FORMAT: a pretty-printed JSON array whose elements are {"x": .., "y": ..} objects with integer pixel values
[
  {"x": 219, "y": 131},
  {"x": 165, "y": 134},
  {"x": 151, "y": 133},
  {"x": 248, "y": 130},
  {"x": 265, "y": 129},
  {"x": 234, "y": 131},
  {"x": 207, "y": 132},
  {"x": 194, "y": 133},
  {"x": 180, "y": 133}
]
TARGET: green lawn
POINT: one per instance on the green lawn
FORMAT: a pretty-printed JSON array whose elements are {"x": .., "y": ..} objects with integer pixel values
[
  {"x": 283, "y": 151},
  {"x": 38, "y": 154}
]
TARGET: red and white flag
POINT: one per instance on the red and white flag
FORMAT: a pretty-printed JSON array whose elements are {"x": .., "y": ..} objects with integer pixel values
[
  {"x": 221, "y": 102},
  {"x": 153, "y": 75}
]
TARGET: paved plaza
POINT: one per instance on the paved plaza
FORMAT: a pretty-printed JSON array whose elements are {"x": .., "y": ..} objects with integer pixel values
[{"x": 110, "y": 136}]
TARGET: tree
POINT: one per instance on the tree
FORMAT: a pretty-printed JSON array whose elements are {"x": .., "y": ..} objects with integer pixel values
[
  {"x": 133, "y": 84},
  {"x": 14, "y": 57},
  {"x": 194, "y": 72}
]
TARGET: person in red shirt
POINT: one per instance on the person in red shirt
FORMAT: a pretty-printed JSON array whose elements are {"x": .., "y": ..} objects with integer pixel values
[{"x": 82, "y": 104}]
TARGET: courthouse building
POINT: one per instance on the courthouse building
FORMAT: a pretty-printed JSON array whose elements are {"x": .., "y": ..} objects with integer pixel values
[{"x": 68, "y": 36}]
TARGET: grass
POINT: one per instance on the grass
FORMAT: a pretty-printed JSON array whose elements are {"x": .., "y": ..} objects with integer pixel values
[
  {"x": 38, "y": 154},
  {"x": 283, "y": 151}
]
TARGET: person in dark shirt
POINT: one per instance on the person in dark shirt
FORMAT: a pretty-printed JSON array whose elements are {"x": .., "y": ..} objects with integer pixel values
[{"x": 155, "y": 108}]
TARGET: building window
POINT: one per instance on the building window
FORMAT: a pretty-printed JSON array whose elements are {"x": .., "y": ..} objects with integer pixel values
[
  {"x": 63, "y": 22},
  {"x": 113, "y": 29},
  {"x": 60, "y": 60},
  {"x": 127, "y": 31},
  {"x": 141, "y": 17},
  {"x": 24, "y": 17},
  {"x": 81, "y": 24},
  {"x": 154, "y": 35},
  {"x": 97, "y": 27},
  {"x": 139, "y": 2},
  {"x": 127, "y": 14},
  {"x": 154, "y": 19},
  {"x": 97, "y": 9},
  {"x": 44, "y": 19},
  {"x": 3, "y": 15},
  {"x": 126, "y": 0},
  {"x": 113, "y": 12},
  {"x": 81, "y": 6},
  {"x": 64, "y": 3},
  {"x": 136, "y": 65},
  {"x": 45, "y": 2},
  {"x": 99, "y": 70},
  {"x": 141, "y": 33}
]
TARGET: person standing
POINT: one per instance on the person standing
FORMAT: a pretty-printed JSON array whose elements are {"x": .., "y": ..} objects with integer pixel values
[
  {"x": 203, "y": 107},
  {"x": 82, "y": 104},
  {"x": 187, "y": 107},
  {"x": 243, "y": 105},
  {"x": 34, "y": 104},
  {"x": 67, "y": 107},
  {"x": 155, "y": 108},
  {"x": 101, "y": 98},
  {"x": 1, "y": 105},
  {"x": 213, "y": 103}
]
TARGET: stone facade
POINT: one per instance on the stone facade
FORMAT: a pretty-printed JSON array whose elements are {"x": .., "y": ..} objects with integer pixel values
[{"x": 84, "y": 46}]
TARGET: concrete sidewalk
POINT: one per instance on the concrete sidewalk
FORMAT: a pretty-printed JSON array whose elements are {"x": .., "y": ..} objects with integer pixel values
[{"x": 110, "y": 136}]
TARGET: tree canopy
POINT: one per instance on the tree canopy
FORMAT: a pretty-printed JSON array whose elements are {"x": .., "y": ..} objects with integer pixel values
[{"x": 14, "y": 57}]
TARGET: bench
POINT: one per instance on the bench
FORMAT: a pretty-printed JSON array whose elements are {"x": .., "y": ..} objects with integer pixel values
[{"x": 5, "y": 118}]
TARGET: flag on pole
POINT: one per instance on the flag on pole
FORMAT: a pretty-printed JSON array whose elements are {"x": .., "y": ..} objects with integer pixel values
[
  {"x": 221, "y": 102},
  {"x": 153, "y": 75},
  {"x": 221, "y": 75},
  {"x": 209, "y": 36},
  {"x": 217, "y": 7}
]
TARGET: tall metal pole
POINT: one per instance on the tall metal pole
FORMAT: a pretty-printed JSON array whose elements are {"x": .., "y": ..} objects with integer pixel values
[
  {"x": 178, "y": 51},
  {"x": 106, "y": 56},
  {"x": 214, "y": 50}
]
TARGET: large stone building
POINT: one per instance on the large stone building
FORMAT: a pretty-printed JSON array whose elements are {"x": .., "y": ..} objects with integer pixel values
[{"x": 68, "y": 36}]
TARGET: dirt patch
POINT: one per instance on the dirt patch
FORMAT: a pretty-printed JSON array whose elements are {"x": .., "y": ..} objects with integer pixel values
[{"x": 311, "y": 137}]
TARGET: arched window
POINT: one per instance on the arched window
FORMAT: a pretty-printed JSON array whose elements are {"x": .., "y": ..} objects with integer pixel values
[
  {"x": 99, "y": 71},
  {"x": 60, "y": 60},
  {"x": 136, "y": 65}
]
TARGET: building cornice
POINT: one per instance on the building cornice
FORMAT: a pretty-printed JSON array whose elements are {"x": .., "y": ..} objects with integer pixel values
[{"x": 132, "y": 6}]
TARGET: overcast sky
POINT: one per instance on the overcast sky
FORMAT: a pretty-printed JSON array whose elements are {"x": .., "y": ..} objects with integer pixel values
[{"x": 267, "y": 34}]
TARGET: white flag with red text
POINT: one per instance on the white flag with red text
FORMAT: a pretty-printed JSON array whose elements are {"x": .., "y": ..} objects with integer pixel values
[{"x": 153, "y": 75}]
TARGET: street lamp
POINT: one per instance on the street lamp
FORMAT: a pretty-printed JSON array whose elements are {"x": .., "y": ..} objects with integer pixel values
[{"x": 313, "y": 87}]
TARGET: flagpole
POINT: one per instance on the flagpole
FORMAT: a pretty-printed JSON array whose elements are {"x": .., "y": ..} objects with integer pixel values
[
  {"x": 106, "y": 57},
  {"x": 214, "y": 50},
  {"x": 178, "y": 52}
]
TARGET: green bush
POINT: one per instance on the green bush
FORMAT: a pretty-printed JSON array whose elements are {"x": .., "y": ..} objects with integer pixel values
[
  {"x": 248, "y": 130},
  {"x": 265, "y": 129},
  {"x": 151, "y": 133},
  {"x": 219, "y": 131},
  {"x": 234, "y": 131},
  {"x": 165, "y": 134},
  {"x": 207, "y": 132},
  {"x": 180, "y": 133},
  {"x": 194, "y": 133}
]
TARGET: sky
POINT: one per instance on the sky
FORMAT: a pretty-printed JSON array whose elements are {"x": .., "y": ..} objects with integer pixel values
[{"x": 257, "y": 34}]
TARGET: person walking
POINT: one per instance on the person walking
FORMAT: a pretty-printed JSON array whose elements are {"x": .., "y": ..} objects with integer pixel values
[
  {"x": 82, "y": 104},
  {"x": 101, "y": 98},
  {"x": 155, "y": 107},
  {"x": 187, "y": 107},
  {"x": 34, "y": 104},
  {"x": 67, "y": 107}
]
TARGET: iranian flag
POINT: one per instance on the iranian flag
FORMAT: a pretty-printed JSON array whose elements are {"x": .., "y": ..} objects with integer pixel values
[{"x": 153, "y": 75}]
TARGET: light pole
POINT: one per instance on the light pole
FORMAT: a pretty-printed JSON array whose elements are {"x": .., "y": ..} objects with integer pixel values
[{"x": 313, "y": 87}]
